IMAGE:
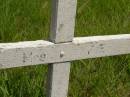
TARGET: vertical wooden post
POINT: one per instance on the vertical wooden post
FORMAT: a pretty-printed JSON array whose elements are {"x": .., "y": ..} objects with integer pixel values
[
  {"x": 63, "y": 20},
  {"x": 62, "y": 31}
]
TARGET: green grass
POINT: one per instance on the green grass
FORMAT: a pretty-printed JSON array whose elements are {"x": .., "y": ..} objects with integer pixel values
[{"x": 22, "y": 20}]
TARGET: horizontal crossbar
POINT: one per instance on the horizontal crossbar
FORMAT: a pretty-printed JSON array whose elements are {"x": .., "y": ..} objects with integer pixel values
[{"x": 42, "y": 52}]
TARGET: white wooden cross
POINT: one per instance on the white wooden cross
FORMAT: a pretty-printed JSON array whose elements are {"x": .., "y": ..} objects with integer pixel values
[{"x": 62, "y": 48}]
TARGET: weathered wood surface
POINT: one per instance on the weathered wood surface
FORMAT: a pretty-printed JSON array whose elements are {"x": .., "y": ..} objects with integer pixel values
[
  {"x": 58, "y": 79},
  {"x": 62, "y": 31},
  {"x": 41, "y": 52},
  {"x": 63, "y": 20}
]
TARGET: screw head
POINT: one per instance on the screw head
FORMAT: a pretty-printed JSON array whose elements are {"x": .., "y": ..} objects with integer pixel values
[{"x": 62, "y": 53}]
